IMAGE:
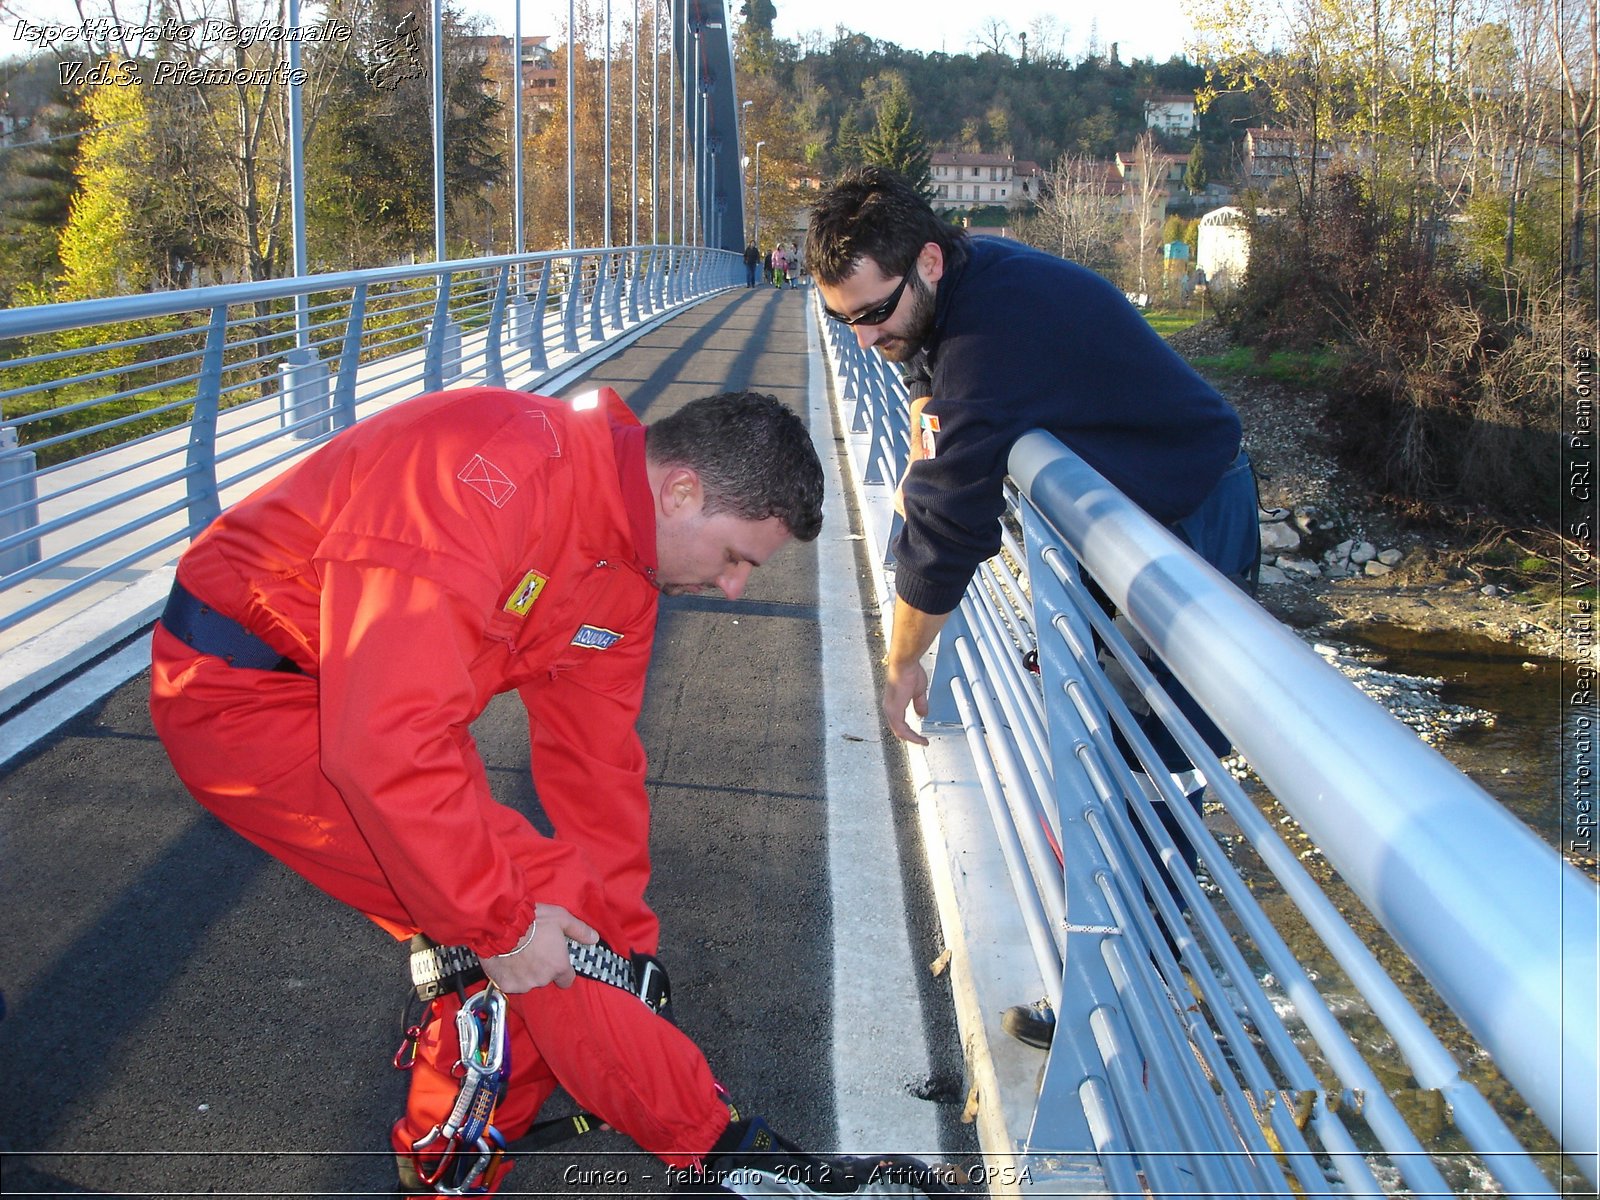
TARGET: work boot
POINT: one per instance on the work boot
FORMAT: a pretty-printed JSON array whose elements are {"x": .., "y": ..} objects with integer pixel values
[
  {"x": 1033, "y": 1024},
  {"x": 750, "y": 1159}
]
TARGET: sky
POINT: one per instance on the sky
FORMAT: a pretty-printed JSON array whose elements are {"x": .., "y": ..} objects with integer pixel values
[{"x": 1141, "y": 28}]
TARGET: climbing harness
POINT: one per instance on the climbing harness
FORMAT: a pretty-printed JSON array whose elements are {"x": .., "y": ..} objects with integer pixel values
[
  {"x": 643, "y": 974},
  {"x": 437, "y": 969},
  {"x": 464, "y": 1155}
]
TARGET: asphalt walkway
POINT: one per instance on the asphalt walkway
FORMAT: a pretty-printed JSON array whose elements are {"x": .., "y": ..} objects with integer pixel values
[{"x": 186, "y": 1017}]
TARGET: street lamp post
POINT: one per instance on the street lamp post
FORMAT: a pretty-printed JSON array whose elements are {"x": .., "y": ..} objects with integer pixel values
[
  {"x": 605, "y": 153},
  {"x": 713, "y": 208},
  {"x": 517, "y": 242},
  {"x": 438, "y": 131},
  {"x": 303, "y": 377},
  {"x": 691, "y": 118},
  {"x": 758, "y": 193},
  {"x": 572, "y": 130},
  {"x": 744, "y": 160}
]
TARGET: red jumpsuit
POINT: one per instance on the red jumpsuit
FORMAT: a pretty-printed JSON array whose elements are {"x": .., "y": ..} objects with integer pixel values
[{"x": 455, "y": 547}]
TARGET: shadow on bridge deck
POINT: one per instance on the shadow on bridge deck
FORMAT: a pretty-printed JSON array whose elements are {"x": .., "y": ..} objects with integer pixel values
[{"x": 187, "y": 1017}]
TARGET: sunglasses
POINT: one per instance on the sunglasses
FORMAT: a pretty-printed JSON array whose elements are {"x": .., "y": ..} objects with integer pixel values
[{"x": 878, "y": 313}]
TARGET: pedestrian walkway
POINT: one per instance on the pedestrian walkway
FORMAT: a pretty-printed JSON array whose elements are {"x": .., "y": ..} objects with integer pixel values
[{"x": 186, "y": 1017}]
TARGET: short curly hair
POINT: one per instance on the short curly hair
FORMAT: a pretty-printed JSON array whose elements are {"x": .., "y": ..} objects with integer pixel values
[
  {"x": 753, "y": 454},
  {"x": 873, "y": 213}
]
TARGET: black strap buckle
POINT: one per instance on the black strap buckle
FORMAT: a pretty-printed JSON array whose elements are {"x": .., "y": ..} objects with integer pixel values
[{"x": 650, "y": 983}]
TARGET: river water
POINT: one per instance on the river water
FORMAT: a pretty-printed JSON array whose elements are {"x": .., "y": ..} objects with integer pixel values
[
  {"x": 1525, "y": 758},
  {"x": 1518, "y": 758}
]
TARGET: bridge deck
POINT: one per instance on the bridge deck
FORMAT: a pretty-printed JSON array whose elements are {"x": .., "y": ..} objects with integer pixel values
[{"x": 185, "y": 1016}]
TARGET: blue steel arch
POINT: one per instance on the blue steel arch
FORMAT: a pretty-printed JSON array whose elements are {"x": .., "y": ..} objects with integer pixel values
[{"x": 704, "y": 49}]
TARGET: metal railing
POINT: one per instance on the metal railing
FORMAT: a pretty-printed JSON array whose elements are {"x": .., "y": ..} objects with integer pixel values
[
  {"x": 1371, "y": 946},
  {"x": 126, "y": 424}
]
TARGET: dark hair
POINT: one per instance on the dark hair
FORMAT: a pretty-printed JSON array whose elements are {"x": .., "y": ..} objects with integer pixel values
[
  {"x": 753, "y": 455},
  {"x": 873, "y": 213}
]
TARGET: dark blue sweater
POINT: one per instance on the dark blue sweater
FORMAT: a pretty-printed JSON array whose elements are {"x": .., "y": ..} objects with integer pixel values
[{"x": 1024, "y": 340}]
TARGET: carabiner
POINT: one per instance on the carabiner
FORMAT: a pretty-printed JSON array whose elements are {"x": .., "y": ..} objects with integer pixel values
[
  {"x": 481, "y": 1031},
  {"x": 482, "y": 1069},
  {"x": 452, "y": 1173},
  {"x": 431, "y": 1175},
  {"x": 405, "y": 1057}
]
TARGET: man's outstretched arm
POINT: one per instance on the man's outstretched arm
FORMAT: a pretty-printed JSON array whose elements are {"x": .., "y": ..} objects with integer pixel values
[{"x": 905, "y": 680}]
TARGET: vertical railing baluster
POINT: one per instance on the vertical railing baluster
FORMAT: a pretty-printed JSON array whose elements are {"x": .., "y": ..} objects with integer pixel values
[
  {"x": 637, "y": 277},
  {"x": 493, "y": 370},
  {"x": 574, "y": 297},
  {"x": 201, "y": 484},
  {"x": 619, "y": 264},
  {"x": 344, "y": 391},
  {"x": 537, "y": 360},
  {"x": 433, "y": 356},
  {"x": 597, "y": 331}
]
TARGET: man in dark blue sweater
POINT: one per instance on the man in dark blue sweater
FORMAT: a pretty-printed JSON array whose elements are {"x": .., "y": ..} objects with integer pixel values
[
  {"x": 1012, "y": 339},
  {"x": 996, "y": 339}
]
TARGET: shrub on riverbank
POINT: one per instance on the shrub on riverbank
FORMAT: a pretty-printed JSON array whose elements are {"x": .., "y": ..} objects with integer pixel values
[{"x": 1446, "y": 381}]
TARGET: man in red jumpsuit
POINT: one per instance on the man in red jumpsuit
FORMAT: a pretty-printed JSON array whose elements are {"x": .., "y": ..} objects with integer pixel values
[{"x": 332, "y": 637}]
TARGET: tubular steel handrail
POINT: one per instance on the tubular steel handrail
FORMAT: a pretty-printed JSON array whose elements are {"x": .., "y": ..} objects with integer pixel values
[
  {"x": 1230, "y": 1031},
  {"x": 126, "y": 423}
]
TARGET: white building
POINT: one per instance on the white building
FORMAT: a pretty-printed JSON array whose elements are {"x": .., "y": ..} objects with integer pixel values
[
  {"x": 964, "y": 180},
  {"x": 1171, "y": 113},
  {"x": 1224, "y": 247},
  {"x": 1271, "y": 154}
]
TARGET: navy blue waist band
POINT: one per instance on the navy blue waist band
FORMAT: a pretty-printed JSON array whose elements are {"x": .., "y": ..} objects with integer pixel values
[{"x": 200, "y": 627}]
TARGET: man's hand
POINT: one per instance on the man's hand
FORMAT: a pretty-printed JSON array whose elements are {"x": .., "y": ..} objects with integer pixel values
[
  {"x": 544, "y": 959},
  {"x": 905, "y": 682},
  {"x": 905, "y": 686}
]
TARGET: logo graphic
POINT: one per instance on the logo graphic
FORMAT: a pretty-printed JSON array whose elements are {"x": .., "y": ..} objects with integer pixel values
[
  {"x": 525, "y": 593},
  {"x": 399, "y": 57},
  {"x": 484, "y": 477},
  {"x": 592, "y": 637}
]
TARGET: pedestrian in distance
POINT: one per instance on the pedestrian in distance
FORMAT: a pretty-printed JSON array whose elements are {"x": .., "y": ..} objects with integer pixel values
[
  {"x": 780, "y": 265},
  {"x": 997, "y": 339},
  {"x": 752, "y": 261},
  {"x": 327, "y": 645}
]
